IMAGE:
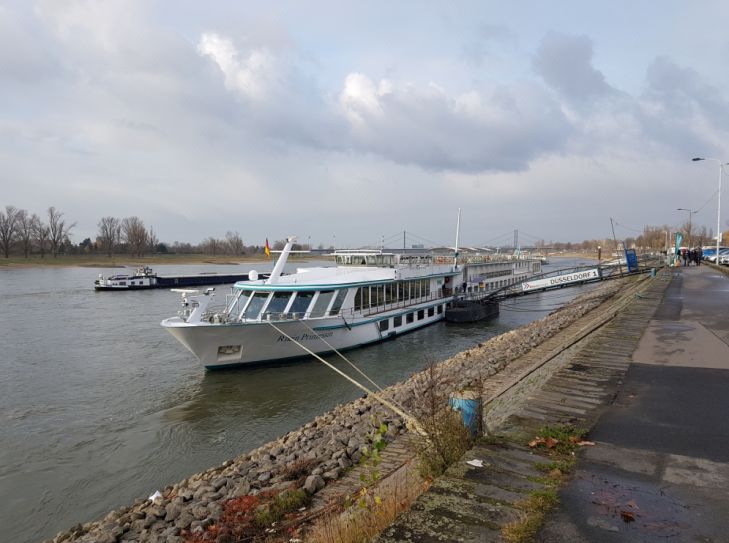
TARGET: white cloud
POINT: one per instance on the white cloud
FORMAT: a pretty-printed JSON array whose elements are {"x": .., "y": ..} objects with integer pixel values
[
  {"x": 253, "y": 76},
  {"x": 479, "y": 130},
  {"x": 360, "y": 97},
  {"x": 485, "y": 129}
]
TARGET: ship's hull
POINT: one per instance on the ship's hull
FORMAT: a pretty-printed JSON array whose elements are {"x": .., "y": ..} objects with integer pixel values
[
  {"x": 123, "y": 288},
  {"x": 228, "y": 345}
]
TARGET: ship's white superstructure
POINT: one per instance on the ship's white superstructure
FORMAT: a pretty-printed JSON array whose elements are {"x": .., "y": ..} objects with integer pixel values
[{"x": 143, "y": 278}]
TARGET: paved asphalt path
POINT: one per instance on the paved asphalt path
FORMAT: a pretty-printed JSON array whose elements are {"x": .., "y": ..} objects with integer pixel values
[{"x": 659, "y": 471}]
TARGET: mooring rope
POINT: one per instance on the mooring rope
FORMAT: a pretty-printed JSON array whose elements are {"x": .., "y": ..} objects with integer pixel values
[
  {"x": 363, "y": 374},
  {"x": 409, "y": 419},
  {"x": 378, "y": 387}
]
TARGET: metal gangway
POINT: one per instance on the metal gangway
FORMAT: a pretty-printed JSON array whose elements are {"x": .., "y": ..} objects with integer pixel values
[{"x": 605, "y": 271}]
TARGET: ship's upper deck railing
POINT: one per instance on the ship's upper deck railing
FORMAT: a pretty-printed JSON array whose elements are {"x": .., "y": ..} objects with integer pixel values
[
  {"x": 376, "y": 258},
  {"x": 486, "y": 259}
]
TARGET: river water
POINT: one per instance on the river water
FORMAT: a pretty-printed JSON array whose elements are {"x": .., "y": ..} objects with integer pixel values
[{"x": 100, "y": 405}]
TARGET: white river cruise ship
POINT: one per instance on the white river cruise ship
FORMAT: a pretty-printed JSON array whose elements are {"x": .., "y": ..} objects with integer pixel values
[{"x": 369, "y": 296}]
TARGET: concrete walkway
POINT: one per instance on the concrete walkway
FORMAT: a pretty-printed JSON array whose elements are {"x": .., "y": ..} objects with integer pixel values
[
  {"x": 660, "y": 467},
  {"x": 471, "y": 503}
]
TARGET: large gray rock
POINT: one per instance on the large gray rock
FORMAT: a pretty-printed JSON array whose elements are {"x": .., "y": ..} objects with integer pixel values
[
  {"x": 344, "y": 462},
  {"x": 157, "y": 511},
  {"x": 103, "y": 537},
  {"x": 313, "y": 484},
  {"x": 200, "y": 512},
  {"x": 201, "y": 491},
  {"x": 173, "y": 510},
  {"x": 186, "y": 495},
  {"x": 184, "y": 520},
  {"x": 219, "y": 483},
  {"x": 216, "y": 511},
  {"x": 332, "y": 475},
  {"x": 241, "y": 489}
]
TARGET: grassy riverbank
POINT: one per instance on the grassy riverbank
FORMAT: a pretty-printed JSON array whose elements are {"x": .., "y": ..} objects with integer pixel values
[{"x": 119, "y": 261}]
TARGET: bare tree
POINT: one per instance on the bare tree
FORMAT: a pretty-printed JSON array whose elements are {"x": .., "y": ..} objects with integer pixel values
[
  {"x": 653, "y": 237},
  {"x": 701, "y": 236},
  {"x": 26, "y": 230},
  {"x": 58, "y": 230},
  {"x": 109, "y": 233},
  {"x": 135, "y": 235},
  {"x": 182, "y": 248},
  {"x": 42, "y": 234},
  {"x": 152, "y": 240},
  {"x": 234, "y": 242},
  {"x": 211, "y": 245},
  {"x": 8, "y": 228}
]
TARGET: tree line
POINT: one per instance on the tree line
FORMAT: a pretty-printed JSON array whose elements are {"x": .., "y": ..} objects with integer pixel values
[
  {"x": 26, "y": 234},
  {"x": 652, "y": 238}
]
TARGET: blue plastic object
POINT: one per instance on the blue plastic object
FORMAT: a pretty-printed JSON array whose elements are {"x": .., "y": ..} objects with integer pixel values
[{"x": 470, "y": 409}]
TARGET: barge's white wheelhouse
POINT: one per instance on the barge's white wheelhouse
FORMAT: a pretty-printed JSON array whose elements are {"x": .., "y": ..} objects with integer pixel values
[
  {"x": 142, "y": 279},
  {"x": 368, "y": 297}
]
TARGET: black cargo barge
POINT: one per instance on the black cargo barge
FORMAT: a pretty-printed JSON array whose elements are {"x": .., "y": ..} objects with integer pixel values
[
  {"x": 145, "y": 279},
  {"x": 472, "y": 310}
]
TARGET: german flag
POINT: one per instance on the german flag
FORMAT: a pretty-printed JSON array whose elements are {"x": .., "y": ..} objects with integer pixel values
[{"x": 267, "y": 249}]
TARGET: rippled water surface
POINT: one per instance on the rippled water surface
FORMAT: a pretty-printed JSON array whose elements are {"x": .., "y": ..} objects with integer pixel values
[{"x": 100, "y": 405}]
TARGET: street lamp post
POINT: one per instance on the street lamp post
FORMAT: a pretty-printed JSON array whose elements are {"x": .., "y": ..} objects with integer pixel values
[
  {"x": 689, "y": 230},
  {"x": 718, "y": 207}
]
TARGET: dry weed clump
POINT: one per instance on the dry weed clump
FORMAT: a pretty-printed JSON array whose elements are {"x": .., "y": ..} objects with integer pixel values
[
  {"x": 446, "y": 439},
  {"x": 253, "y": 518},
  {"x": 370, "y": 515}
]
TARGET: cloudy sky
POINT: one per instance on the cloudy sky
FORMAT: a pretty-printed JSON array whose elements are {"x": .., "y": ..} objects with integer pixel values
[{"x": 354, "y": 121}]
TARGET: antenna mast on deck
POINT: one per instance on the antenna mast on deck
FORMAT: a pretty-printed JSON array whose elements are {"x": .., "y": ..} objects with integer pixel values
[{"x": 281, "y": 262}]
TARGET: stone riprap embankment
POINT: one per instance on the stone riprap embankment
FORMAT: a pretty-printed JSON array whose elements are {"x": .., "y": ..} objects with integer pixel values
[{"x": 324, "y": 448}]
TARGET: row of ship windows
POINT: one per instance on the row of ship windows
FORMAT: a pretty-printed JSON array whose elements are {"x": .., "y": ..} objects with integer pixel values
[
  {"x": 409, "y": 317},
  {"x": 249, "y": 304},
  {"x": 399, "y": 291}
]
